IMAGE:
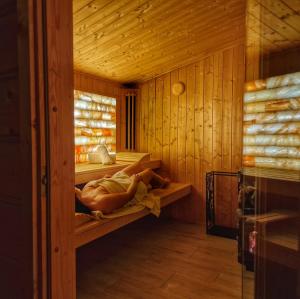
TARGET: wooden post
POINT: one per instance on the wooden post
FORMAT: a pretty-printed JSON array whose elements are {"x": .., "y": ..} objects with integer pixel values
[{"x": 61, "y": 172}]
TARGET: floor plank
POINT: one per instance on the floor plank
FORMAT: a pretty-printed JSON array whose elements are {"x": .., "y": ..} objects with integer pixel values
[{"x": 158, "y": 258}]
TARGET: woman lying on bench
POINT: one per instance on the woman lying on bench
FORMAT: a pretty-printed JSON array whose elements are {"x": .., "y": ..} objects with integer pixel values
[{"x": 111, "y": 193}]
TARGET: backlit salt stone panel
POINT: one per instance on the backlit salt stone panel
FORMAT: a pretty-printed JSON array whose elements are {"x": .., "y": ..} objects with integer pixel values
[
  {"x": 95, "y": 123},
  {"x": 272, "y": 123}
]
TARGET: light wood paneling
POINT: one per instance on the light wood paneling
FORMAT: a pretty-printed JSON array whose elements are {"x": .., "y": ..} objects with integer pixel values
[
  {"x": 203, "y": 131},
  {"x": 273, "y": 38},
  {"x": 275, "y": 23},
  {"x": 134, "y": 41},
  {"x": 93, "y": 84}
]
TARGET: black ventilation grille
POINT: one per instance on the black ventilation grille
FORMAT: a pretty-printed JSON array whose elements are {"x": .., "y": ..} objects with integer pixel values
[{"x": 130, "y": 121}]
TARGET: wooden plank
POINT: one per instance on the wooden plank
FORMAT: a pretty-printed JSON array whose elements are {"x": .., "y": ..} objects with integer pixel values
[
  {"x": 294, "y": 4},
  {"x": 127, "y": 22},
  {"x": 89, "y": 83},
  {"x": 168, "y": 16},
  {"x": 207, "y": 117},
  {"x": 87, "y": 172},
  {"x": 223, "y": 184},
  {"x": 168, "y": 54},
  {"x": 79, "y": 4},
  {"x": 182, "y": 105},
  {"x": 227, "y": 112},
  {"x": 151, "y": 111},
  {"x": 174, "y": 130},
  {"x": 141, "y": 132},
  {"x": 207, "y": 114},
  {"x": 96, "y": 229},
  {"x": 61, "y": 138},
  {"x": 131, "y": 41},
  {"x": 199, "y": 137},
  {"x": 137, "y": 120},
  {"x": 166, "y": 122},
  {"x": 93, "y": 9},
  {"x": 145, "y": 117},
  {"x": 118, "y": 121},
  {"x": 159, "y": 86},
  {"x": 237, "y": 120},
  {"x": 274, "y": 14},
  {"x": 284, "y": 12},
  {"x": 217, "y": 111},
  {"x": 165, "y": 45},
  {"x": 238, "y": 91},
  {"x": 190, "y": 124},
  {"x": 122, "y": 128}
]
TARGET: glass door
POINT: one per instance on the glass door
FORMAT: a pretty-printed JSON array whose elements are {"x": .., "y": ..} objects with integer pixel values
[{"x": 269, "y": 238}]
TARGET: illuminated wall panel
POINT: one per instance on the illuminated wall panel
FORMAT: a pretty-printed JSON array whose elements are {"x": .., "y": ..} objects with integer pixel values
[
  {"x": 95, "y": 123},
  {"x": 272, "y": 123}
]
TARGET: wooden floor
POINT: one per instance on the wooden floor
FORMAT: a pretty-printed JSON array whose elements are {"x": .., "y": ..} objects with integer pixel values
[{"x": 158, "y": 259}]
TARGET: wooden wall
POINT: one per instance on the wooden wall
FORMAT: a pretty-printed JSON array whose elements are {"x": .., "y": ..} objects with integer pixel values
[
  {"x": 89, "y": 83},
  {"x": 16, "y": 177},
  {"x": 281, "y": 63},
  {"x": 199, "y": 131}
]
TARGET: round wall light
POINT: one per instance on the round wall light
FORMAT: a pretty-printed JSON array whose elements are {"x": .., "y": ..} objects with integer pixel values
[{"x": 178, "y": 88}]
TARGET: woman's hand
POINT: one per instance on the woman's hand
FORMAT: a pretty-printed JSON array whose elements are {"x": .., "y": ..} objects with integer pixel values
[{"x": 136, "y": 178}]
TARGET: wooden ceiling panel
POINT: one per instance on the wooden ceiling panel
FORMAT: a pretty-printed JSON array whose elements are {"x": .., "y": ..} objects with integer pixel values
[
  {"x": 137, "y": 40},
  {"x": 274, "y": 23}
]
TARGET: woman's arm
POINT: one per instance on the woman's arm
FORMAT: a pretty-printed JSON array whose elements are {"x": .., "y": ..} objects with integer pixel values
[{"x": 109, "y": 202}]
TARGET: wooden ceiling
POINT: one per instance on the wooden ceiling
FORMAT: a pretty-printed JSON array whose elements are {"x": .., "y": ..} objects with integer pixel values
[
  {"x": 276, "y": 23},
  {"x": 135, "y": 40}
]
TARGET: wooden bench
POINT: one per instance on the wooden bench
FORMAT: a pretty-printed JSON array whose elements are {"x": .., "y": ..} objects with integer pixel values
[
  {"x": 86, "y": 172},
  {"x": 94, "y": 229}
]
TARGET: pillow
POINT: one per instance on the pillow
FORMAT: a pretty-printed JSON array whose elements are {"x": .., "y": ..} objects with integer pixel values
[{"x": 105, "y": 157}]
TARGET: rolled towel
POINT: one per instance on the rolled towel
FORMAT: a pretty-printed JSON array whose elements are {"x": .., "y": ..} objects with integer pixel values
[{"x": 105, "y": 157}]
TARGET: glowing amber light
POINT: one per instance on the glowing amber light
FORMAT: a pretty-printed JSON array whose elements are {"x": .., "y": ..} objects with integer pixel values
[
  {"x": 94, "y": 122},
  {"x": 272, "y": 123}
]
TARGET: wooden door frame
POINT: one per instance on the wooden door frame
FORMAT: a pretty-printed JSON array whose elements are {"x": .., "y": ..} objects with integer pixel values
[
  {"x": 58, "y": 59},
  {"x": 49, "y": 73}
]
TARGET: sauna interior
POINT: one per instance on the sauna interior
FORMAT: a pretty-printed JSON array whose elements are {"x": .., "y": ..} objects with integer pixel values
[{"x": 150, "y": 149}]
